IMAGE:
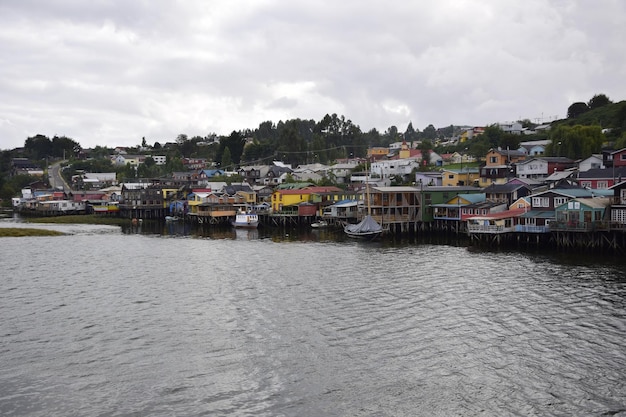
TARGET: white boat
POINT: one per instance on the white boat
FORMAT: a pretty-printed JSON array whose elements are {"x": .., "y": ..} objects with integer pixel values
[
  {"x": 246, "y": 219},
  {"x": 319, "y": 224},
  {"x": 171, "y": 218}
]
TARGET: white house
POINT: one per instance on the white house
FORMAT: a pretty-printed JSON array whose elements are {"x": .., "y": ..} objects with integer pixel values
[
  {"x": 342, "y": 172},
  {"x": 532, "y": 168},
  {"x": 160, "y": 159},
  {"x": 513, "y": 127},
  {"x": 387, "y": 169},
  {"x": 593, "y": 162}
]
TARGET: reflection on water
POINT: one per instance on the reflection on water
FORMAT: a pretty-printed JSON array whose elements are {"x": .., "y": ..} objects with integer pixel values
[{"x": 165, "y": 320}]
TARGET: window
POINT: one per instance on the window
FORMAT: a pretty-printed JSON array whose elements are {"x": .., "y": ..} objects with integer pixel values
[
  {"x": 541, "y": 202},
  {"x": 602, "y": 185},
  {"x": 618, "y": 216},
  {"x": 493, "y": 159},
  {"x": 585, "y": 184},
  {"x": 559, "y": 200}
]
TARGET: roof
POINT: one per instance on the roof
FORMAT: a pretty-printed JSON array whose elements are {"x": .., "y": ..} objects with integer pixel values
[
  {"x": 603, "y": 173},
  {"x": 598, "y": 202},
  {"x": 235, "y": 188},
  {"x": 539, "y": 214},
  {"x": 504, "y": 188},
  {"x": 486, "y": 204},
  {"x": 559, "y": 175},
  {"x": 451, "y": 189},
  {"x": 508, "y": 152},
  {"x": 328, "y": 189},
  {"x": 293, "y": 185},
  {"x": 399, "y": 189},
  {"x": 346, "y": 203},
  {"x": 311, "y": 190},
  {"x": 553, "y": 159},
  {"x": 464, "y": 170},
  {"x": 474, "y": 198}
]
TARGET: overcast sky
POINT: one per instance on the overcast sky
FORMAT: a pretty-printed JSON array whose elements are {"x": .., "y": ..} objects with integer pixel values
[{"x": 106, "y": 72}]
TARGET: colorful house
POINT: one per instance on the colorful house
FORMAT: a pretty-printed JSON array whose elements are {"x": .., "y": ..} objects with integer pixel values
[
  {"x": 582, "y": 214},
  {"x": 498, "y": 167},
  {"x": 601, "y": 179},
  {"x": 283, "y": 198},
  {"x": 463, "y": 176}
]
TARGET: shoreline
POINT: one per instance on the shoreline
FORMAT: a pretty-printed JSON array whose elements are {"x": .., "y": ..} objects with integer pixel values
[{"x": 27, "y": 232}]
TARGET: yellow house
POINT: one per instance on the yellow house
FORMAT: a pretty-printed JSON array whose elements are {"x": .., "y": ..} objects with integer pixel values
[
  {"x": 500, "y": 157},
  {"x": 498, "y": 167},
  {"x": 168, "y": 195},
  {"x": 195, "y": 199},
  {"x": 377, "y": 152},
  {"x": 248, "y": 197},
  {"x": 315, "y": 195},
  {"x": 463, "y": 176}
]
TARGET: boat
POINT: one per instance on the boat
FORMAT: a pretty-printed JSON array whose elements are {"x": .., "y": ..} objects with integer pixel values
[
  {"x": 246, "y": 219},
  {"x": 319, "y": 224},
  {"x": 171, "y": 218},
  {"x": 368, "y": 228}
]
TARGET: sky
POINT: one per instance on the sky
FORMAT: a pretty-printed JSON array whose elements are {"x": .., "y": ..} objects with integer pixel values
[{"x": 109, "y": 73}]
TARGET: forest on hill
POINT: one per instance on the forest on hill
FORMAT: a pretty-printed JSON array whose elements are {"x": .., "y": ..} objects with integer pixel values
[{"x": 589, "y": 127}]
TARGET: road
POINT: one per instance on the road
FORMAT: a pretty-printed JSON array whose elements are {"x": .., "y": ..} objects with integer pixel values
[{"x": 55, "y": 178}]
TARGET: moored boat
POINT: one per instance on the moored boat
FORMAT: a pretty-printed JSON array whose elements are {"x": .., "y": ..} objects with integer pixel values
[
  {"x": 319, "y": 224},
  {"x": 368, "y": 228},
  {"x": 246, "y": 219}
]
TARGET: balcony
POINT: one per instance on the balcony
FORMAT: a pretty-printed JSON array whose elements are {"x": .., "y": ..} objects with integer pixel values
[
  {"x": 490, "y": 229},
  {"x": 570, "y": 226}
]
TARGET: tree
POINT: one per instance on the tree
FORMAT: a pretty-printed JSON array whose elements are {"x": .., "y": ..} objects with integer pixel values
[
  {"x": 575, "y": 142},
  {"x": 599, "y": 100},
  {"x": 429, "y": 132},
  {"x": 410, "y": 134},
  {"x": 235, "y": 143},
  {"x": 226, "y": 159},
  {"x": 577, "y": 109},
  {"x": 185, "y": 146},
  {"x": 38, "y": 147},
  {"x": 493, "y": 135},
  {"x": 391, "y": 135},
  {"x": 425, "y": 147}
]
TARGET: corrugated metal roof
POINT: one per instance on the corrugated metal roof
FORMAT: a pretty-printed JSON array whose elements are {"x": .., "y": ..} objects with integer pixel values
[
  {"x": 598, "y": 202},
  {"x": 539, "y": 214},
  {"x": 399, "y": 189}
]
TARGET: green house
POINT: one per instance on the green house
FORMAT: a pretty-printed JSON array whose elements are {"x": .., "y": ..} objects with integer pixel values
[{"x": 581, "y": 214}]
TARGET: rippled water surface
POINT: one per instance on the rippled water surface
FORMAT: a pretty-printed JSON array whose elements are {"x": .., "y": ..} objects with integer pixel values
[{"x": 102, "y": 323}]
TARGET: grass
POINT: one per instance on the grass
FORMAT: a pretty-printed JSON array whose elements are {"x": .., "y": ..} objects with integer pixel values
[
  {"x": 79, "y": 219},
  {"x": 21, "y": 232}
]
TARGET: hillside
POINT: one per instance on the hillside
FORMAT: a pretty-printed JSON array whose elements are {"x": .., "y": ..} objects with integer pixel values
[{"x": 611, "y": 116}]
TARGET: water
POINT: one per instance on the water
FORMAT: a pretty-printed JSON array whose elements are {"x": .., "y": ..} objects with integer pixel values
[{"x": 238, "y": 323}]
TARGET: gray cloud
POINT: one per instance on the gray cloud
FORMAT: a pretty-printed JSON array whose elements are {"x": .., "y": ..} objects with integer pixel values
[{"x": 110, "y": 73}]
